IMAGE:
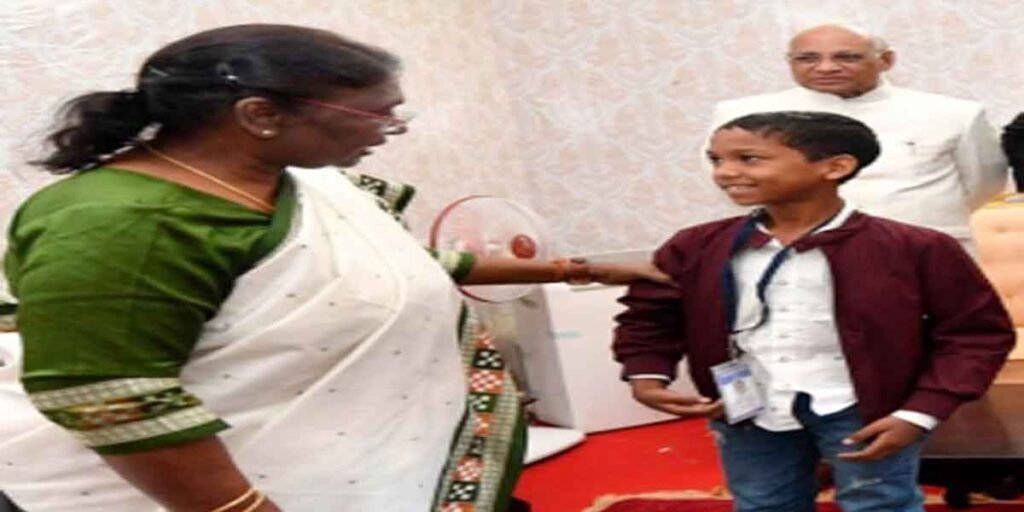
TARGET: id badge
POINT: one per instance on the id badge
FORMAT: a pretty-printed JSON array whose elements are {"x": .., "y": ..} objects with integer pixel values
[{"x": 740, "y": 394}]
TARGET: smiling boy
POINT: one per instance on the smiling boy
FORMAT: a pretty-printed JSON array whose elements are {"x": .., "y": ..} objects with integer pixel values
[{"x": 859, "y": 334}]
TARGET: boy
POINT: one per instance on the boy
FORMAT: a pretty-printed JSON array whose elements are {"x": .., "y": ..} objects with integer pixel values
[{"x": 853, "y": 335}]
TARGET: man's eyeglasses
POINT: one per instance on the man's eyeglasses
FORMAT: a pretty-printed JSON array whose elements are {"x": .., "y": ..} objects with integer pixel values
[
  {"x": 389, "y": 125},
  {"x": 841, "y": 58}
]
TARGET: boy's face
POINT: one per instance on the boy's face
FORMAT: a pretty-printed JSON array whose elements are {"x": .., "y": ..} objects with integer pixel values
[{"x": 757, "y": 170}]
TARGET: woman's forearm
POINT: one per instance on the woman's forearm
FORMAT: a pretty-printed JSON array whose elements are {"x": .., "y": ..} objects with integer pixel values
[
  {"x": 500, "y": 270},
  {"x": 197, "y": 476}
]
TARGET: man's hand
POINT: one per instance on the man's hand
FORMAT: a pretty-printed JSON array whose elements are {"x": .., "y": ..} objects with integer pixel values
[
  {"x": 653, "y": 394},
  {"x": 625, "y": 273},
  {"x": 887, "y": 436}
]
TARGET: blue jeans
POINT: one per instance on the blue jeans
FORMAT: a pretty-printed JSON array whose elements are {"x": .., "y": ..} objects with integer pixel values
[{"x": 775, "y": 471}]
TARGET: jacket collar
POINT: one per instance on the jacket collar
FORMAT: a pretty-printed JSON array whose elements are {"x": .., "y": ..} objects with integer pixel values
[{"x": 853, "y": 223}]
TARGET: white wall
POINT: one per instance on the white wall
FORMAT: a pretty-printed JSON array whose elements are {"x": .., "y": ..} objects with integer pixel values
[{"x": 590, "y": 111}]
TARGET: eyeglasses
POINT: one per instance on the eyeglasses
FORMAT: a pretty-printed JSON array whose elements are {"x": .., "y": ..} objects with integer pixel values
[
  {"x": 389, "y": 125},
  {"x": 841, "y": 58}
]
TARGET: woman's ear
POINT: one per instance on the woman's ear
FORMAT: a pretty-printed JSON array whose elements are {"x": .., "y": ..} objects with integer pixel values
[
  {"x": 258, "y": 116},
  {"x": 840, "y": 166}
]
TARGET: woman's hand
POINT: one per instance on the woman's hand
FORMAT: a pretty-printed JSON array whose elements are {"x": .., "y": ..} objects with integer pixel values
[
  {"x": 625, "y": 273},
  {"x": 654, "y": 394}
]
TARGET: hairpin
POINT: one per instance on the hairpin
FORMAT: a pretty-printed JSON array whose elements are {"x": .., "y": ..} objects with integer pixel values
[{"x": 224, "y": 70}]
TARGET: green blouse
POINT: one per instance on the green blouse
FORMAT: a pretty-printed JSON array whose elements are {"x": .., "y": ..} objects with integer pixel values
[{"x": 116, "y": 272}]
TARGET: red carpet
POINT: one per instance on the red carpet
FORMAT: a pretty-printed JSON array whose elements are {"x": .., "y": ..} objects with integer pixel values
[
  {"x": 615, "y": 465},
  {"x": 699, "y": 505},
  {"x": 672, "y": 455}
]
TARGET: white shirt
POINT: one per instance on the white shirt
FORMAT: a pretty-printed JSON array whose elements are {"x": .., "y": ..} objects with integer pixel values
[
  {"x": 797, "y": 347},
  {"x": 940, "y": 159}
]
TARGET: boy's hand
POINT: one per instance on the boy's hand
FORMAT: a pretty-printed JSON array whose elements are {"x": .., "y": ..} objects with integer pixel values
[
  {"x": 653, "y": 394},
  {"x": 889, "y": 434}
]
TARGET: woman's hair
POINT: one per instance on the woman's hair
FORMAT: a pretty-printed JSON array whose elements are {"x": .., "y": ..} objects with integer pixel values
[
  {"x": 190, "y": 82},
  {"x": 818, "y": 135}
]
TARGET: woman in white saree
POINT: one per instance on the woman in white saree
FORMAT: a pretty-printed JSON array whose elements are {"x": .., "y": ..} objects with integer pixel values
[{"x": 205, "y": 331}]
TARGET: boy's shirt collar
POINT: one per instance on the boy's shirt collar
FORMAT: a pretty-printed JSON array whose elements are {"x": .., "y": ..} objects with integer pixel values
[{"x": 839, "y": 227}]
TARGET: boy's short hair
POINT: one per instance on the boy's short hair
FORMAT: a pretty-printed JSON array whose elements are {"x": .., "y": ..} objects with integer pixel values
[{"x": 817, "y": 135}]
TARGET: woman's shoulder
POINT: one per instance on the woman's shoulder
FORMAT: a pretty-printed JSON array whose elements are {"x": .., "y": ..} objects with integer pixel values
[
  {"x": 105, "y": 194},
  {"x": 107, "y": 212}
]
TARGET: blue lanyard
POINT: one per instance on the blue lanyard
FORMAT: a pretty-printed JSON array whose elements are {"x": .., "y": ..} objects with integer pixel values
[{"x": 729, "y": 287}]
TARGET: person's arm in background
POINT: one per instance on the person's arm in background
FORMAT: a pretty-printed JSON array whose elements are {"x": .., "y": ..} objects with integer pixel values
[
  {"x": 1013, "y": 146},
  {"x": 980, "y": 162}
]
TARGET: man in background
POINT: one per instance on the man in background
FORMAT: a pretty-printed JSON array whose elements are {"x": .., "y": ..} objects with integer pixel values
[{"x": 940, "y": 160}]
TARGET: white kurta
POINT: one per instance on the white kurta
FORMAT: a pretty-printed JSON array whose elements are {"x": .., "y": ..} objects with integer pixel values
[
  {"x": 940, "y": 157},
  {"x": 335, "y": 361}
]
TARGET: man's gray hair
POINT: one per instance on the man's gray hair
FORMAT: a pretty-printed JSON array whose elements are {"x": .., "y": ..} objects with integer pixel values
[{"x": 878, "y": 44}]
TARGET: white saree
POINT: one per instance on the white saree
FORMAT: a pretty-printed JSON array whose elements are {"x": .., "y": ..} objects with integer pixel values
[{"x": 335, "y": 360}]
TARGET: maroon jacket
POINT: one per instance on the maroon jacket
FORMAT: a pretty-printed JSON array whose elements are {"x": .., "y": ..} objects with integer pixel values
[{"x": 921, "y": 327}]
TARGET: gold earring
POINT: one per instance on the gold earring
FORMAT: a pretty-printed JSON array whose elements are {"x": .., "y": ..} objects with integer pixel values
[{"x": 267, "y": 133}]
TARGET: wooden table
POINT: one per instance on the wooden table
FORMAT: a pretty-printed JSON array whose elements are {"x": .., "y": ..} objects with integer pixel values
[{"x": 979, "y": 448}]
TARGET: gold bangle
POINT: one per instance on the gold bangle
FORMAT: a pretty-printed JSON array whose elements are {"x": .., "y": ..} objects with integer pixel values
[
  {"x": 575, "y": 270},
  {"x": 260, "y": 498},
  {"x": 237, "y": 501}
]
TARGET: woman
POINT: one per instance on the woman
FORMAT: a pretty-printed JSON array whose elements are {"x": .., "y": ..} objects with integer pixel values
[{"x": 218, "y": 334}]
